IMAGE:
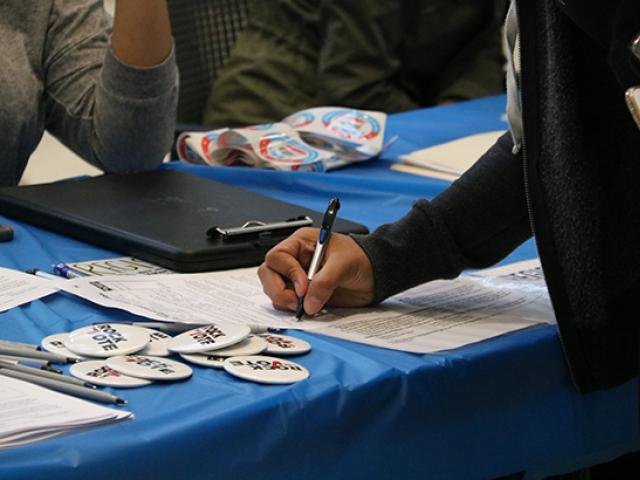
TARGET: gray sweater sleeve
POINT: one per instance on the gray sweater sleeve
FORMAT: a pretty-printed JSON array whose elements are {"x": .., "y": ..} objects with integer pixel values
[
  {"x": 118, "y": 118},
  {"x": 474, "y": 223}
]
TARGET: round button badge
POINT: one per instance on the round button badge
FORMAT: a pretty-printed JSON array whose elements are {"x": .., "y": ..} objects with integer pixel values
[
  {"x": 107, "y": 340},
  {"x": 151, "y": 368},
  {"x": 209, "y": 361},
  {"x": 158, "y": 345},
  {"x": 285, "y": 345},
  {"x": 98, "y": 373},
  {"x": 252, "y": 345},
  {"x": 262, "y": 369},
  {"x": 208, "y": 338},
  {"x": 56, "y": 344}
]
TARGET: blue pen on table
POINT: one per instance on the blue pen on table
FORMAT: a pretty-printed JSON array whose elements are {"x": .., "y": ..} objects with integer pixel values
[
  {"x": 41, "y": 273},
  {"x": 323, "y": 239},
  {"x": 63, "y": 270}
]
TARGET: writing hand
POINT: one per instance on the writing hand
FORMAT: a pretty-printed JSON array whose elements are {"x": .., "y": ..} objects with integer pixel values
[{"x": 345, "y": 279}]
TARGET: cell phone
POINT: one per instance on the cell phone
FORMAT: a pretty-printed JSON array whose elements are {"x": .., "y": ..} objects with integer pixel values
[{"x": 6, "y": 233}]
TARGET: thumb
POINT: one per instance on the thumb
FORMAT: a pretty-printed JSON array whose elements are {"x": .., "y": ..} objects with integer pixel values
[{"x": 323, "y": 284}]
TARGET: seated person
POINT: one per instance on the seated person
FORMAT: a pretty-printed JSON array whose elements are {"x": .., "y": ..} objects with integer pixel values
[
  {"x": 110, "y": 98},
  {"x": 385, "y": 55}
]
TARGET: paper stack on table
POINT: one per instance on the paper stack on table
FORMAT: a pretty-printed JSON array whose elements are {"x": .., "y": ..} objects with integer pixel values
[
  {"x": 29, "y": 413},
  {"x": 448, "y": 160}
]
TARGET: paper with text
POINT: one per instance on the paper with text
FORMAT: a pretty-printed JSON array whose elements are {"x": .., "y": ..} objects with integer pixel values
[
  {"x": 18, "y": 287},
  {"x": 435, "y": 316},
  {"x": 29, "y": 413}
]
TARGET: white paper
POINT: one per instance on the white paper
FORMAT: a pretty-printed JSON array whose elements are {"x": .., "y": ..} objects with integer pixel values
[
  {"x": 452, "y": 158},
  {"x": 117, "y": 266},
  {"x": 29, "y": 413},
  {"x": 435, "y": 316},
  {"x": 17, "y": 288}
]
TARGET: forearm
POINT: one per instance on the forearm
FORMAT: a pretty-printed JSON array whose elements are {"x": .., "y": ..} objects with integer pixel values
[
  {"x": 474, "y": 223},
  {"x": 141, "y": 32}
]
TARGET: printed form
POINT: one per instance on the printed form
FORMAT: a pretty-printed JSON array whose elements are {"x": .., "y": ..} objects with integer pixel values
[
  {"x": 29, "y": 413},
  {"x": 436, "y": 316},
  {"x": 17, "y": 288}
]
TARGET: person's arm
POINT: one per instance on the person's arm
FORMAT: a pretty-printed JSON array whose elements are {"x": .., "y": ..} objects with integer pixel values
[
  {"x": 476, "y": 222},
  {"x": 141, "y": 32},
  {"x": 114, "y": 105}
]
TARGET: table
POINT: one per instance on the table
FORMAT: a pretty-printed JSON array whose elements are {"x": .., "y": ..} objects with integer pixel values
[{"x": 493, "y": 408}]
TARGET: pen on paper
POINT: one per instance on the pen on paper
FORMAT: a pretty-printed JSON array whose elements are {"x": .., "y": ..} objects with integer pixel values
[
  {"x": 323, "y": 239},
  {"x": 74, "y": 390},
  {"x": 65, "y": 271},
  {"x": 41, "y": 273}
]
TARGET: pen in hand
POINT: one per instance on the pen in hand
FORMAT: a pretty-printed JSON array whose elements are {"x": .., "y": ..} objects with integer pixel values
[{"x": 323, "y": 240}]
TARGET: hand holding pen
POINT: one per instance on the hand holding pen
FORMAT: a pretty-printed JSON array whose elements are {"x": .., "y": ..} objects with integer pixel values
[
  {"x": 318, "y": 254},
  {"x": 342, "y": 278}
]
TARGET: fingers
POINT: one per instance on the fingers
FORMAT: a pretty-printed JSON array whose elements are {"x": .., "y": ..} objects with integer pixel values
[
  {"x": 274, "y": 286},
  {"x": 283, "y": 266},
  {"x": 344, "y": 279}
]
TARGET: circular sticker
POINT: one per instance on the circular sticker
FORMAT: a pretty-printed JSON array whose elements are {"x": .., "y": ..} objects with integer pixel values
[
  {"x": 152, "y": 368},
  {"x": 251, "y": 345},
  {"x": 209, "y": 337},
  {"x": 282, "y": 149},
  {"x": 159, "y": 344},
  {"x": 98, "y": 373},
  {"x": 285, "y": 345},
  {"x": 57, "y": 344},
  {"x": 351, "y": 125},
  {"x": 261, "y": 369},
  {"x": 299, "y": 119},
  {"x": 210, "y": 361},
  {"x": 107, "y": 340}
]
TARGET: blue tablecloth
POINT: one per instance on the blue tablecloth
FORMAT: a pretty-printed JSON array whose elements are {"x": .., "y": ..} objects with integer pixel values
[{"x": 497, "y": 407}]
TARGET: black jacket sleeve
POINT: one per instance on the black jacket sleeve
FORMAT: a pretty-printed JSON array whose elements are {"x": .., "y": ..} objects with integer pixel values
[{"x": 474, "y": 223}]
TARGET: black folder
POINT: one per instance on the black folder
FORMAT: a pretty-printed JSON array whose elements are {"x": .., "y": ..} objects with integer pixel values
[{"x": 166, "y": 217}]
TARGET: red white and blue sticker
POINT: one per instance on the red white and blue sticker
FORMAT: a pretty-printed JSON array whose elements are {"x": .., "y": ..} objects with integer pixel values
[
  {"x": 263, "y": 369},
  {"x": 351, "y": 125},
  {"x": 282, "y": 148},
  {"x": 98, "y": 373},
  {"x": 299, "y": 120}
]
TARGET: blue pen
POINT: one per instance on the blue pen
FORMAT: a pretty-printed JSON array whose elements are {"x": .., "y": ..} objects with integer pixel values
[
  {"x": 323, "y": 240},
  {"x": 65, "y": 271}
]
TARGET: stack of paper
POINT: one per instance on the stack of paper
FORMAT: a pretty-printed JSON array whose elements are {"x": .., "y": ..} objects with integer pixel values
[
  {"x": 29, "y": 413},
  {"x": 448, "y": 160}
]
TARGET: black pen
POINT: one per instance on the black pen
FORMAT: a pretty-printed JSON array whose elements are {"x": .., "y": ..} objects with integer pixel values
[{"x": 323, "y": 240}]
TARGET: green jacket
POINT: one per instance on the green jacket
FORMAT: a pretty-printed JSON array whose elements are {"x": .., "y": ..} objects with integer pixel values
[{"x": 388, "y": 55}]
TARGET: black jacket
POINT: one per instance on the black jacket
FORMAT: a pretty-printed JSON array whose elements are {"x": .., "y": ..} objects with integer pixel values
[{"x": 574, "y": 184}]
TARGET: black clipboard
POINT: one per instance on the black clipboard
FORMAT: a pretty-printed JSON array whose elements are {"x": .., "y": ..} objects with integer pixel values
[{"x": 173, "y": 219}]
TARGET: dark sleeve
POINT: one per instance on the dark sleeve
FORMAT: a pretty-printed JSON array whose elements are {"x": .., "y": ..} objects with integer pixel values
[{"x": 474, "y": 223}]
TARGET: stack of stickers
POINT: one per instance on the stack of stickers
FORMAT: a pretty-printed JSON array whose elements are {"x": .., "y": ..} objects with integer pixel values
[
  {"x": 316, "y": 139},
  {"x": 125, "y": 356}
]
